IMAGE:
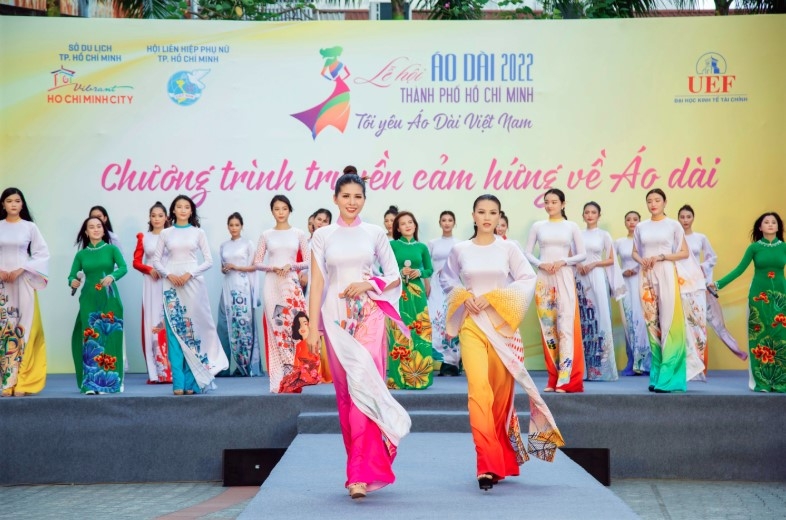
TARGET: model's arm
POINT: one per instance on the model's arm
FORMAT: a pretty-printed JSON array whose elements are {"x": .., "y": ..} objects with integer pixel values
[
  {"x": 305, "y": 250},
  {"x": 139, "y": 256},
  {"x": 207, "y": 257},
  {"x": 158, "y": 256},
  {"x": 747, "y": 258},
  {"x": 529, "y": 251},
  {"x": 580, "y": 253},
  {"x": 121, "y": 268}
]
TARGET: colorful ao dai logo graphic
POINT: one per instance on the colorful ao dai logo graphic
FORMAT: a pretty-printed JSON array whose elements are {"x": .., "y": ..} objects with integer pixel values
[{"x": 711, "y": 76}]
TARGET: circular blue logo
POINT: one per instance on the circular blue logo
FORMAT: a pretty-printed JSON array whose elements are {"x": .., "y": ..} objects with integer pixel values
[
  {"x": 184, "y": 88},
  {"x": 711, "y": 63}
]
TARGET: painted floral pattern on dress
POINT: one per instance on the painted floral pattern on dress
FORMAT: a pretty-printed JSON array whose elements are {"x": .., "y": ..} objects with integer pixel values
[
  {"x": 12, "y": 340},
  {"x": 242, "y": 331},
  {"x": 99, "y": 369},
  {"x": 182, "y": 326}
]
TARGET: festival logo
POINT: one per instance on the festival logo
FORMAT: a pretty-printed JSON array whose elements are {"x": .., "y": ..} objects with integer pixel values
[
  {"x": 333, "y": 111},
  {"x": 185, "y": 87},
  {"x": 711, "y": 82},
  {"x": 66, "y": 89}
]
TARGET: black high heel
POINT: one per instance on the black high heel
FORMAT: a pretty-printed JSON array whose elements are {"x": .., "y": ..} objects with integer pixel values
[{"x": 485, "y": 482}]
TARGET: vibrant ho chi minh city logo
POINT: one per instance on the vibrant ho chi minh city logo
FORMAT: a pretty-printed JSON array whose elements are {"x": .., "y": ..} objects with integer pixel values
[
  {"x": 66, "y": 89},
  {"x": 334, "y": 110},
  {"x": 711, "y": 82},
  {"x": 185, "y": 87}
]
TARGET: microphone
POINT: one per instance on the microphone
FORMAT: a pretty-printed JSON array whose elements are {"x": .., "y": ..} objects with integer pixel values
[
  {"x": 79, "y": 277},
  {"x": 407, "y": 263}
]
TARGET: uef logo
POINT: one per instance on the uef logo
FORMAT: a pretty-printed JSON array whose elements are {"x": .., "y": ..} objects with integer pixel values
[{"x": 711, "y": 77}]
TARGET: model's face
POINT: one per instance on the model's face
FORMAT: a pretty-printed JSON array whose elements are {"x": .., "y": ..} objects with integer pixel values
[
  {"x": 447, "y": 223},
  {"x": 321, "y": 220},
  {"x": 302, "y": 327},
  {"x": 553, "y": 205},
  {"x": 96, "y": 213},
  {"x": 631, "y": 221},
  {"x": 502, "y": 228},
  {"x": 13, "y": 205},
  {"x": 95, "y": 229},
  {"x": 591, "y": 215},
  {"x": 407, "y": 227},
  {"x": 311, "y": 227},
  {"x": 280, "y": 212},
  {"x": 389, "y": 218},
  {"x": 183, "y": 210},
  {"x": 235, "y": 228},
  {"x": 769, "y": 226},
  {"x": 686, "y": 219},
  {"x": 655, "y": 204},
  {"x": 350, "y": 201},
  {"x": 157, "y": 218},
  {"x": 486, "y": 216}
]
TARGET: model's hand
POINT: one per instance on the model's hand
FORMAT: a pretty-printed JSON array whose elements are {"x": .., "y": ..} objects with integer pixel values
[
  {"x": 553, "y": 267},
  {"x": 154, "y": 275},
  {"x": 545, "y": 266},
  {"x": 355, "y": 290},
  {"x": 313, "y": 339},
  {"x": 627, "y": 273},
  {"x": 175, "y": 280},
  {"x": 11, "y": 276},
  {"x": 106, "y": 281},
  {"x": 481, "y": 303},
  {"x": 582, "y": 269},
  {"x": 75, "y": 283}
]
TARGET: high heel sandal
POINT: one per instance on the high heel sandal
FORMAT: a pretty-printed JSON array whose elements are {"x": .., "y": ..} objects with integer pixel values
[
  {"x": 177, "y": 392},
  {"x": 485, "y": 481},
  {"x": 357, "y": 490},
  {"x": 189, "y": 392}
]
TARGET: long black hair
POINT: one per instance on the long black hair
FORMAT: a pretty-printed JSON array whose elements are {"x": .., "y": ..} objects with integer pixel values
[
  {"x": 296, "y": 325},
  {"x": 593, "y": 203},
  {"x": 448, "y": 212},
  {"x": 193, "y": 219},
  {"x": 560, "y": 195},
  {"x": 24, "y": 214},
  {"x": 392, "y": 210},
  {"x": 686, "y": 207},
  {"x": 237, "y": 216},
  {"x": 160, "y": 206},
  {"x": 349, "y": 178},
  {"x": 281, "y": 198},
  {"x": 82, "y": 240},
  {"x": 757, "y": 234},
  {"x": 323, "y": 211},
  {"x": 485, "y": 196},
  {"x": 102, "y": 209},
  {"x": 402, "y": 214}
]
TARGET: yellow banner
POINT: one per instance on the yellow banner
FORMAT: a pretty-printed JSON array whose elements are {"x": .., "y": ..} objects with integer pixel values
[{"x": 126, "y": 112}]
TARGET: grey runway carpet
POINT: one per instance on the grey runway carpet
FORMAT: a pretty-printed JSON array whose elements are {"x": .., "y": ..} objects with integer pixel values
[
  {"x": 435, "y": 478},
  {"x": 718, "y": 430}
]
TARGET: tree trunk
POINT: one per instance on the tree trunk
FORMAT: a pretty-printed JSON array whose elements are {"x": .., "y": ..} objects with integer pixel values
[
  {"x": 397, "y": 7},
  {"x": 722, "y": 7}
]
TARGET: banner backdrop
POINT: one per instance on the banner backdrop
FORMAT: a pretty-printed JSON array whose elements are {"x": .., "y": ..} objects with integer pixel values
[{"x": 123, "y": 113}]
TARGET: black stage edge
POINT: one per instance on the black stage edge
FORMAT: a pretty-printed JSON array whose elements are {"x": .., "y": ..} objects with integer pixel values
[{"x": 719, "y": 430}]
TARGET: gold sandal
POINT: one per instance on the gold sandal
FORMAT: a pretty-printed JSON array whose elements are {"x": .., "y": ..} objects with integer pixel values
[{"x": 357, "y": 490}]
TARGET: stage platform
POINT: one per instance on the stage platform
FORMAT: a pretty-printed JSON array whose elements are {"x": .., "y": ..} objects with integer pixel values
[
  {"x": 435, "y": 477},
  {"x": 719, "y": 430}
]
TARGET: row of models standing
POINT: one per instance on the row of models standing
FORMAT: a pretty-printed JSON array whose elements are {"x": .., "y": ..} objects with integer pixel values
[{"x": 102, "y": 367}]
